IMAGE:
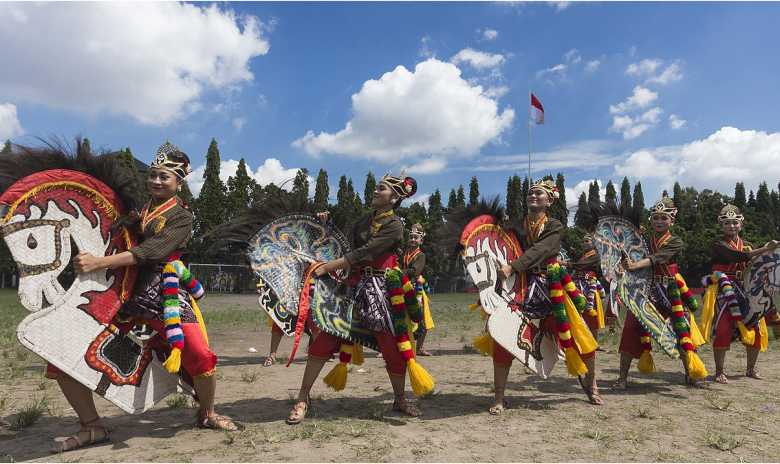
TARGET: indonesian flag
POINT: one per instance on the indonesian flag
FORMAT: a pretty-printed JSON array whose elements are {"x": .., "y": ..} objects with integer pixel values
[{"x": 537, "y": 110}]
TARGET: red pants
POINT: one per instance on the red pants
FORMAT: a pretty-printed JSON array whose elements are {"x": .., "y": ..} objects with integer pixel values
[
  {"x": 592, "y": 322},
  {"x": 504, "y": 357},
  {"x": 325, "y": 345},
  {"x": 630, "y": 342},
  {"x": 724, "y": 333},
  {"x": 196, "y": 357}
]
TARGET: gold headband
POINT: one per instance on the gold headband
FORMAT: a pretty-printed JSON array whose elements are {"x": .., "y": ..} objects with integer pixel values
[
  {"x": 163, "y": 160},
  {"x": 548, "y": 187},
  {"x": 664, "y": 206},
  {"x": 404, "y": 187},
  {"x": 730, "y": 212}
]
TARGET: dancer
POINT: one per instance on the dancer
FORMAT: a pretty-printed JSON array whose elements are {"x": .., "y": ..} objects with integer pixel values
[
  {"x": 540, "y": 238},
  {"x": 165, "y": 227},
  {"x": 586, "y": 272},
  {"x": 671, "y": 297},
  {"x": 381, "y": 299},
  {"x": 730, "y": 257},
  {"x": 413, "y": 264}
]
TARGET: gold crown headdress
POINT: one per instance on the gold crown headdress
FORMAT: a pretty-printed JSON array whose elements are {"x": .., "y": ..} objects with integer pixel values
[
  {"x": 404, "y": 187},
  {"x": 171, "y": 158},
  {"x": 730, "y": 212},
  {"x": 417, "y": 231},
  {"x": 549, "y": 188},
  {"x": 664, "y": 206}
]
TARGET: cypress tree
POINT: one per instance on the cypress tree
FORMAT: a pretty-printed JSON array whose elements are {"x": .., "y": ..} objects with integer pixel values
[
  {"x": 611, "y": 194},
  {"x": 739, "y": 196},
  {"x": 580, "y": 216},
  {"x": 751, "y": 203},
  {"x": 210, "y": 207},
  {"x": 524, "y": 193},
  {"x": 511, "y": 198},
  {"x": 560, "y": 211},
  {"x": 461, "y": 197},
  {"x": 452, "y": 202},
  {"x": 435, "y": 211},
  {"x": 625, "y": 195},
  {"x": 239, "y": 190},
  {"x": 638, "y": 204},
  {"x": 473, "y": 191},
  {"x": 300, "y": 190},
  {"x": 368, "y": 192},
  {"x": 321, "y": 191},
  {"x": 593, "y": 192},
  {"x": 6, "y": 148}
]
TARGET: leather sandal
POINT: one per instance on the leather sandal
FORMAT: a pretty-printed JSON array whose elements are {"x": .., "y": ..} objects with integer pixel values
[
  {"x": 720, "y": 377},
  {"x": 298, "y": 413},
  {"x": 270, "y": 360},
  {"x": 753, "y": 374},
  {"x": 216, "y": 422},
  {"x": 498, "y": 409},
  {"x": 593, "y": 395},
  {"x": 75, "y": 442},
  {"x": 401, "y": 404}
]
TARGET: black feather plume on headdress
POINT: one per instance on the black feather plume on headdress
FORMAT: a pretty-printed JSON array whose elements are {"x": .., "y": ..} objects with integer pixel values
[
  {"x": 598, "y": 209},
  {"x": 448, "y": 236},
  {"x": 57, "y": 154}
]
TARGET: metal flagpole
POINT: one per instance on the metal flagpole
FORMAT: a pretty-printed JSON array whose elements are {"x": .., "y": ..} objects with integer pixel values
[{"x": 529, "y": 137}]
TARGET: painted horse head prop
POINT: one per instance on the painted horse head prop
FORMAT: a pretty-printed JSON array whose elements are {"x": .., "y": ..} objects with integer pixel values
[
  {"x": 47, "y": 217},
  {"x": 617, "y": 238},
  {"x": 485, "y": 246},
  {"x": 762, "y": 284}
]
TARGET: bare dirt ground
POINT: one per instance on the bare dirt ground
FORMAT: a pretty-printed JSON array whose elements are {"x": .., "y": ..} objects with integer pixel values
[{"x": 657, "y": 419}]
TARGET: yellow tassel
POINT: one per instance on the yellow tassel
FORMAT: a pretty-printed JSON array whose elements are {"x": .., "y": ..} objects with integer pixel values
[
  {"x": 337, "y": 377},
  {"x": 708, "y": 311},
  {"x": 600, "y": 311},
  {"x": 574, "y": 363},
  {"x": 427, "y": 316},
  {"x": 582, "y": 336},
  {"x": 173, "y": 363},
  {"x": 199, "y": 317},
  {"x": 357, "y": 354},
  {"x": 483, "y": 344},
  {"x": 474, "y": 306},
  {"x": 695, "y": 366},
  {"x": 646, "y": 364},
  {"x": 696, "y": 337},
  {"x": 764, "y": 334},
  {"x": 421, "y": 380},
  {"x": 748, "y": 336}
]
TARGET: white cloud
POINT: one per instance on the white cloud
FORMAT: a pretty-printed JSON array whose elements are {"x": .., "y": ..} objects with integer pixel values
[
  {"x": 634, "y": 127},
  {"x": 431, "y": 111},
  {"x": 672, "y": 73},
  {"x": 149, "y": 61},
  {"x": 238, "y": 123},
  {"x": 9, "y": 122},
  {"x": 425, "y": 48},
  {"x": 557, "y": 70},
  {"x": 717, "y": 162},
  {"x": 648, "y": 69},
  {"x": 592, "y": 66},
  {"x": 642, "y": 97},
  {"x": 270, "y": 171},
  {"x": 489, "y": 34},
  {"x": 426, "y": 166},
  {"x": 645, "y": 67},
  {"x": 583, "y": 186},
  {"x": 559, "y": 6},
  {"x": 478, "y": 59},
  {"x": 421, "y": 198},
  {"x": 676, "y": 122},
  {"x": 572, "y": 56},
  {"x": 496, "y": 92},
  {"x": 583, "y": 155}
]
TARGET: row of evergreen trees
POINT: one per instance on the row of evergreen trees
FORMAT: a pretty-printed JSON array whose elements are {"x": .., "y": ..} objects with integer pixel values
[{"x": 219, "y": 202}]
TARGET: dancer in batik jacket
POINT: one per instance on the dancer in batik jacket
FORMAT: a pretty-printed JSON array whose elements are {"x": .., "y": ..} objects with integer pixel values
[
  {"x": 586, "y": 276},
  {"x": 164, "y": 227},
  {"x": 413, "y": 264},
  {"x": 540, "y": 238},
  {"x": 671, "y": 297},
  {"x": 375, "y": 281},
  {"x": 730, "y": 257}
]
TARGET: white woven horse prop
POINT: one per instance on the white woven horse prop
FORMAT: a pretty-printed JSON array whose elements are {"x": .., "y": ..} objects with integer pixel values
[
  {"x": 762, "y": 284},
  {"x": 42, "y": 216},
  {"x": 486, "y": 246}
]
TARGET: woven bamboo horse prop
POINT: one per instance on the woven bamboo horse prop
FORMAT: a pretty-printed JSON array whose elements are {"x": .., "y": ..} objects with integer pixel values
[
  {"x": 46, "y": 218},
  {"x": 485, "y": 246}
]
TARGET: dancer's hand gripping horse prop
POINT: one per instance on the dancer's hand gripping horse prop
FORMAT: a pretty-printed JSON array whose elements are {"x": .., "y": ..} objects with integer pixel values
[
  {"x": 484, "y": 247},
  {"x": 46, "y": 218}
]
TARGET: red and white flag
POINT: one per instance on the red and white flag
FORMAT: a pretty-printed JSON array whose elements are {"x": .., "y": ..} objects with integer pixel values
[{"x": 537, "y": 110}]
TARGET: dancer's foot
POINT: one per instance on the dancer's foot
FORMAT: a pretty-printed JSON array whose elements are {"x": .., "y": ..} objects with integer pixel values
[
  {"x": 720, "y": 377},
  {"x": 91, "y": 433},
  {"x": 753, "y": 374},
  {"x": 401, "y": 404},
  {"x": 270, "y": 360},
  {"x": 498, "y": 409},
  {"x": 621, "y": 384},
  {"x": 298, "y": 413}
]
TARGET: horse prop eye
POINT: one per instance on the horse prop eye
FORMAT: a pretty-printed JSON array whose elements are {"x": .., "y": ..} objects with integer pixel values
[
  {"x": 479, "y": 269},
  {"x": 31, "y": 242}
]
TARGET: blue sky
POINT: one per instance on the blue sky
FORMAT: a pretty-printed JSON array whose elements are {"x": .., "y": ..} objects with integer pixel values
[{"x": 656, "y": 91}]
